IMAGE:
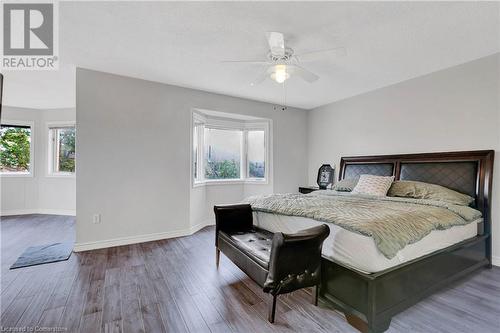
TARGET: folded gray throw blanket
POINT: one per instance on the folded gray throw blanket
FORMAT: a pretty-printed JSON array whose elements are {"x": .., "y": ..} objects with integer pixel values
[{"x": 392, "y": 222}]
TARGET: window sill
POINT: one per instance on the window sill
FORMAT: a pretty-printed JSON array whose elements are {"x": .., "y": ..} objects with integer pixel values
[
  {"x": 61, "y": 175},
  {"x": 254, "y": 181},
  {"x": 16, "y": 175},
  {"x": 231, "y": 182}
]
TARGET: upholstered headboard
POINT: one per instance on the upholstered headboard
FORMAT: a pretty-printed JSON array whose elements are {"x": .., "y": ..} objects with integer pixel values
[
  {"x": 469, "y": 172},
  {"x": 354, "y": 170},
  {"x": 458, "y": 176}
]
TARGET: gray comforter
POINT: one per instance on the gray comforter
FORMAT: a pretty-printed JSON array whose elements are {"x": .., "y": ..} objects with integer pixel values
[{"x": 392, "y": 222}]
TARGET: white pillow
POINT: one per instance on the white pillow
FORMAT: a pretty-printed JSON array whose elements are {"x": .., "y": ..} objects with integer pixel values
[{"x": 373, "y": 185}]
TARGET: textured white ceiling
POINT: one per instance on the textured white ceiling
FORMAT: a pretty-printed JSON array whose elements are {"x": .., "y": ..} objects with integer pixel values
[{"x": 183, "y": 44}]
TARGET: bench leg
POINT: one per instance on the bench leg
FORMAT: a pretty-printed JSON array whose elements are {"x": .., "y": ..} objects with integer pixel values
[
  {"x": 272, "y": 309},
  {"x": 217, "y": 257},
  {"x": 315, "y": 294}
]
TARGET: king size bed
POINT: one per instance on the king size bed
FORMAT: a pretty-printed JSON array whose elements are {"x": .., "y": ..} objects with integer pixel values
[{"x": 374, "y": 270}]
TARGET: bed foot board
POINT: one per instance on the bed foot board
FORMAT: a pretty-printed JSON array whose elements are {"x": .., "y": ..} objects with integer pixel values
[
  {"x": 364, "y": 327},
  {"x": 370, "y": 301}
]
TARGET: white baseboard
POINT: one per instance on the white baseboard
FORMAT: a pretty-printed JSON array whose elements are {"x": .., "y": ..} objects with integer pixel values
[
  {"x": 18, "y": 212},
  {"x": 79, "y": 247},
  {"x": 70, "y": 212},
  {"x": 495, "y": 261}
]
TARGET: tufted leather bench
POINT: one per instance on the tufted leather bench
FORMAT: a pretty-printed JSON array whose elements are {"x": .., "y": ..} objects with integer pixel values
[{"x": 279, "y": 263}]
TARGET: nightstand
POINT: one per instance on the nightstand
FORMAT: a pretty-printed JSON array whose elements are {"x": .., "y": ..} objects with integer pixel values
[{"x": 308, "y": 189}]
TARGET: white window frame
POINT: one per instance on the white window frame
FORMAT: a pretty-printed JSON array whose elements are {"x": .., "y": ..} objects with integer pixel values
[
  {"x": 257, "y": 126},
  {"x": 199, "y": 153},
  {"x": 51, "y": 157},
  {"x": 205, "y": 121},
  {"x": 31, "y": 171}
]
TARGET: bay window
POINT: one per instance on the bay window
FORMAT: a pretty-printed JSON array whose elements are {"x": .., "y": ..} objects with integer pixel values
[{"x": 229, "y": 150}]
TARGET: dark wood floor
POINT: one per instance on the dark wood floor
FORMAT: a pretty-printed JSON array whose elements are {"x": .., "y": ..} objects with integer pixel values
[{"x": 173, "y": 285}]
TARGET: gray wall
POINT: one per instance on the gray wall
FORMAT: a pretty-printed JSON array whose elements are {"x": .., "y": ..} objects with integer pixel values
[
  {"x": 134, "y": 155},
  {"x": 453, "y": 109}
]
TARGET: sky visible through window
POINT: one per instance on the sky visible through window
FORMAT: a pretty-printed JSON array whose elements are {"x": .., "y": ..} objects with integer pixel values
[
  {"x": 222, "y": 153},
  {"x": 256, "y": 154}
]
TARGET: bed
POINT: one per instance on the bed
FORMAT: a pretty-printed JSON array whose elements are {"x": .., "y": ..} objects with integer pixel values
[
  {"x": 370, "y": 288},
  {"x": 359, "y": 252}
]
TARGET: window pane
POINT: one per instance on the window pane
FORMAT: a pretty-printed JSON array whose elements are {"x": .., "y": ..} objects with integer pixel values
[
  {"x": 15, "y": 142},
  {"x": 65, "y": 149},
  {"x": 222, "y": 153},
  {"x": 256, "y": 154}
]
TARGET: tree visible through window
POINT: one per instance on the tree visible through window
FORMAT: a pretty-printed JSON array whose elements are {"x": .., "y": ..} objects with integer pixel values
[
  {"x": 63, "y": 149},
  {"x": 15, "y": 146},
  {"x": 229, "y": 149}
]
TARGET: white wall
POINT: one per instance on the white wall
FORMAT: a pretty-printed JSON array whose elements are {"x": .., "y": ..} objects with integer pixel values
[
  {"x": 453, "y": 109},
  {"x": 39, "y": 193},
  {"x": 134, "y": 156}
]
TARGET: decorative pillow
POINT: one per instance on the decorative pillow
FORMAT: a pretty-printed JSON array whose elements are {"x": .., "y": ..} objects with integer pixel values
[
  {"x": 345, "y": 185},
  {"x": 421, "y": 190},
  {"x": 373, "y": 185}
]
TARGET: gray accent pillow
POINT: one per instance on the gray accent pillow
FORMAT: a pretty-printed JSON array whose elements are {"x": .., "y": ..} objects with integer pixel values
[
  {"x": 373, "y": 185},
  {"x": 421, "y": 190},
  {"x": 345, "y": 185}
]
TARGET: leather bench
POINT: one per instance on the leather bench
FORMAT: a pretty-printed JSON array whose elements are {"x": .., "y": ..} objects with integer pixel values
[{"x": 279, "y": 263}]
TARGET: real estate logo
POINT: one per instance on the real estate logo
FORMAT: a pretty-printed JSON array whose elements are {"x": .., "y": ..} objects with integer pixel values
[{"x": 30, "y": 38}]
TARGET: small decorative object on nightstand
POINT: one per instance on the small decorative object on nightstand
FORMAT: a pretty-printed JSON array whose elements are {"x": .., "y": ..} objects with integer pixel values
[
  {"x": 325, "y": 176},
  {"x": 308, "y": 189}
]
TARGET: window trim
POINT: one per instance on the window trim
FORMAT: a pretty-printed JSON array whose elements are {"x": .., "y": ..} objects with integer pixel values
[
  {"x": 31, "y": 172},
  {"x": 257, "y": 126},
  {"x": 50, "y": 173},
  {"x": 230, "y": 124},
  {"x": 199, "y": 155}
]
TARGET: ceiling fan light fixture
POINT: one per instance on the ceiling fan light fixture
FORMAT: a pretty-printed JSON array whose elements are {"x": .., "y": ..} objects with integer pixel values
[{"x": 280, "y": 74}]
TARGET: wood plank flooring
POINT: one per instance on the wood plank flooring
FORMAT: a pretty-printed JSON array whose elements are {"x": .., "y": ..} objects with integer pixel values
[{"x": 173, "y": 286}]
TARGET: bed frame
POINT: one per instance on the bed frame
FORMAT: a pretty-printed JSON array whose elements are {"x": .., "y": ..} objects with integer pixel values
[{"x": 369, "y": 301}]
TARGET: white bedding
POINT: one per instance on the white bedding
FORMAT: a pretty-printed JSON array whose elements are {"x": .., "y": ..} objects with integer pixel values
[{"x": 358, "y": 251}]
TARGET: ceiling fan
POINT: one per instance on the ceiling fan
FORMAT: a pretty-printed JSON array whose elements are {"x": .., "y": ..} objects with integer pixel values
[{"x": 282, "y": 62}]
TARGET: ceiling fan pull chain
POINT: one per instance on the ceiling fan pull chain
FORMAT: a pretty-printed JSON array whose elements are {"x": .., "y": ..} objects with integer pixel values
[{"x": 283, "y": 107}]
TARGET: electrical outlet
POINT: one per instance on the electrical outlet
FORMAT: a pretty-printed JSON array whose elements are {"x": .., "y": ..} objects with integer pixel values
[{"x": 96, "y": 218}]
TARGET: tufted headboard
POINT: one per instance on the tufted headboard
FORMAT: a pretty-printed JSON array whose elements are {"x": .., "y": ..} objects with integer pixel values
[{"x": 469, "y": 172}]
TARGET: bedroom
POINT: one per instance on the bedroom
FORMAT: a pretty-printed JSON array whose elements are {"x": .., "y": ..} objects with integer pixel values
[{"x": 157, "y": 110}]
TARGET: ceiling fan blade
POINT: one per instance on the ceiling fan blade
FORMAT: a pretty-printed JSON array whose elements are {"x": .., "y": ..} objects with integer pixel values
[
  {"x": 261, "y": 77},
  {"x": 256, "y": 62},
  {"x": 303, "y": 73},
  {"x": 321, "y": 54},
  {"x": 276, "y": 42}
]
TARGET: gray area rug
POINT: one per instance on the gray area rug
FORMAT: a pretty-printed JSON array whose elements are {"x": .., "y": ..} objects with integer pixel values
[{"x": 43, "y": 254}]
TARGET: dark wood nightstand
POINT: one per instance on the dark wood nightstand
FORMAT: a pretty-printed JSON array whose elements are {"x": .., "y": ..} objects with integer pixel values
[{"x": 308, "y": 189}]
